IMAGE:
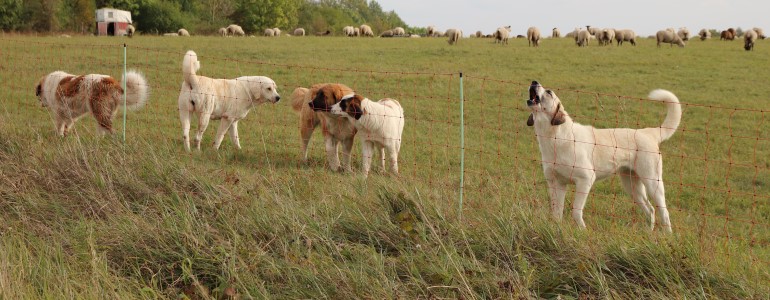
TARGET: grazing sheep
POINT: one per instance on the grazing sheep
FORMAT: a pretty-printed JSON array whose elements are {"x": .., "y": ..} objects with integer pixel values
[
  {"x": 593, "y": 30},
  {"x": 276, "y": 31},
  {"x": 387, "y": 33},
  {"x": 520, "y": 36},
  {"x": 704, "y": 34},
  {"x": 606, "y": 36},
  {"x": 348, "y": 31},
  {"x": 299, "y": 32},
  {"x": 398, "y": 31},
  {"x": 454, "y": 35},
  {"x": 581, "y": 39},
  {"x": 234, "y": 30},
  {"x": 438, "y": 34},
  {"x": 669, "y": 36},
  {"x": 749, "y": 38},
  {"x": 501, "y": 35},
  {"x": 573, "y": 33},
  {"x": 324, "y": 33},
  {"x": 414, "y": 36},
  {"x": 684, "y": 34},
  {"x": 760, "y": 33},
  {"x": 357, "y": 31},
  {"x": 533, "y": 36},
  {"x": 555, "y": 33},
  {"x": 727, "y": 35},
  {"x": 269, "y": 32},
  {"x": 130, "y": 30},
  {"x": 479, "y": 34},
  {"x": 183, "y": 32},
  {"x": 431, "y": 30},
  {"x": 222, "y": 31},
  {"x": 171, "y": 34},
  {"x": 366, "y": 31},
  {"x": 625, "y": 35}
]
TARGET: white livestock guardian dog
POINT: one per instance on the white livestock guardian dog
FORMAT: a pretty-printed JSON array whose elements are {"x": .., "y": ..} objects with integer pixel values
[
  {"x": 71, "y": 97},
  {"x": 227, "y": 99},
  {"x": 379, "y": 124},
  {"x": 582, "y": 154}
]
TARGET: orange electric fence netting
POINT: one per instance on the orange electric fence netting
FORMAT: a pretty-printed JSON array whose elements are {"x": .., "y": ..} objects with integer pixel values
[{"x": 716, "y": 166}]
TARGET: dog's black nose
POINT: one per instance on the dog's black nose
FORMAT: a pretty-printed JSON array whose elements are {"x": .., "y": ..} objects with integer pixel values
[
  {"x": 534, "y": 82},
  {"x": 277, "y": 98}
]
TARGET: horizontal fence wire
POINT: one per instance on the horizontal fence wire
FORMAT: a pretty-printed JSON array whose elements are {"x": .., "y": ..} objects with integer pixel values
[{"x": 716, "y": 172}]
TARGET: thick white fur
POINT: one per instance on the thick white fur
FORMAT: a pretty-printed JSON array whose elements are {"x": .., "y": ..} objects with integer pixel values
[
  {"x": 582, "y": 154},
  {"x": 227, "y": 99},
  {"x": 379, "y": 128}
]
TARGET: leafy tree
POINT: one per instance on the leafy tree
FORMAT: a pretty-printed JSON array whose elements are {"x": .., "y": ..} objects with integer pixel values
[
  {"x": 256, "y": 15},
  {"x": 11, "y": 14},
  {"x": 160, "y": 17}
]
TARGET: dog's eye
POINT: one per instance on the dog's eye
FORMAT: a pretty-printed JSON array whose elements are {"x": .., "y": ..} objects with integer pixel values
[
  {"x": 269, "y": 89},
  {"x": 549, "y": 92}
]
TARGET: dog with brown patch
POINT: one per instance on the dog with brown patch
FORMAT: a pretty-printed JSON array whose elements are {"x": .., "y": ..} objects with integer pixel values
[
  {"x": 228, "y": 100},
  {"x": 71, "y": 97},
  {"x": 313, "y": 106},
  {"x": 380, "y": 124},
  {"x": 581, "y": 154}
]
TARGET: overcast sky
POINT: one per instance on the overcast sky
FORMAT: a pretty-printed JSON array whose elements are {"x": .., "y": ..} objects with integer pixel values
[{"x": 643, "y": 16}]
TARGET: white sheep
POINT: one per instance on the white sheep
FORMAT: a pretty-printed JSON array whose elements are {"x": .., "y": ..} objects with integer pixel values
[
  {"x": 269, "y": 32},
  {"x": 625, "y": 35},
  {"x": 357, "y": 31},
  {"x": 749, "y": 37},
  {"x": 182, "y": 32},
  {"x": 299, "y": 32},
  {"x": 234, "y": 30},
  {"x": 222, "y": 31},
  {"x": 130, "y": 30},
  {"x": 581, "y": 39},
  {"x": 555, "y": 33},
  {"x": 438, "y": 34},
  {"x": 276, "y": 31},
  {"x": 454, "y": 35},
  {"x": 398, "y": 31},
  {"x": 366, "y": 31},
  {"x": 594, "y": 30},
  {"x": 533, "y": 36},
  {"x": 501, "y": 35},
  {"x": 573, "y": 33},
  {"x": 704, "y": 34},
  {"x": 760, "y": 33},
  {"x": 387, "y": 33},
  {"x": 607, "y": 35},
  {"x": 684, "y": 34},
  {"x": 348, "y": 31},
  {"x": 669, "y": 36},
  {"x": 431, "y": 30},
  {"x": 479, "y": 34}
]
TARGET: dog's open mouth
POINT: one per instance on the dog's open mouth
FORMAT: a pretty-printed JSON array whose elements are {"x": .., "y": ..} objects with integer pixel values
[{"x": 534, "y": 98}]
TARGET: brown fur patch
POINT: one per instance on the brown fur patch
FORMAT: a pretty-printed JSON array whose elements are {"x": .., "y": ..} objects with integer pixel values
[
  {"x": 558, "y": 116},
  {"x": 102, "y": 102},
  {"x": 332, "y": 92},
  {"x": 353, "y": 107},
  {"x": 68, "y": 87}
]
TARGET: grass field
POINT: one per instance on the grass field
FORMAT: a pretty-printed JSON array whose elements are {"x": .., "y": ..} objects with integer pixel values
[{"x": 90, "y": 217}]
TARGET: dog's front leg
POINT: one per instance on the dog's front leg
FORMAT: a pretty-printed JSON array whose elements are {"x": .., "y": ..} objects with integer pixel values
[
  {"x": 224, "y": 125},
  {"x": 393, "y": 154},
  {"x": 557, "y": 191},
  {"x": 582, "y": 189},
  {"x": 347, "y": 148},
  {"x": 366, "y": 156},
  {"x": 331, "y": 154}
]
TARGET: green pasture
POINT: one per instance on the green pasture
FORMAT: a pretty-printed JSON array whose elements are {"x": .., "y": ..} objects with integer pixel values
[{"x": 90, "y": 217}]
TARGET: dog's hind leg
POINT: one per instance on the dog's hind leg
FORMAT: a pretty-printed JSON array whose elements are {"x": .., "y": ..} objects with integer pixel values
[
  {"x": 306, "y": 132},
  {"x": 203, "y": 122},
  {"x": 634, "y": 187},
  {"x": 234, "y": 135},
  {"x": 224, "y": 125},
  {"x": 366, "y": 156},
  {"x": 184, "y": 118},
  {"x": 652, "y": 177}
]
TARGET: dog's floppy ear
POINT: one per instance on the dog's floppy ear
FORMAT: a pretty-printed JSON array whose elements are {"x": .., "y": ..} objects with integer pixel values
[
  {"x": 354, "y": 108},
  {"x": 531, "y": 119},
  {"x": 558, "y": 117},
  {"x": 39, "y": 89}
]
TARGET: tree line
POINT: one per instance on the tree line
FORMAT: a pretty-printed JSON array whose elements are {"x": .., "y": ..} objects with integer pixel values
[{"x": 198, "y": 16}]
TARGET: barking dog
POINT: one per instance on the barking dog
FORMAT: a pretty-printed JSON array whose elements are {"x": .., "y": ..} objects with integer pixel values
[
  {"x": 70, "y": 97},
  {"x": 381, "y": 124},
  {"x": 227, "y": 99},
  {"x": 313, "y": 106},
  {"x": 581, "y": 154}
]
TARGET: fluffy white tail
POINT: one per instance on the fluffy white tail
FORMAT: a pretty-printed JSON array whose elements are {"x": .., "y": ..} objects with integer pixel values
[
  {"x": 674, "y": 114},
  {"x": 190, "y": 66},
  {"x": 137, "y": 91}
]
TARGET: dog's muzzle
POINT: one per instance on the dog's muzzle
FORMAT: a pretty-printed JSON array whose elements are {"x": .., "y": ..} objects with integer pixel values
[{"x": 534, "y": 98}]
